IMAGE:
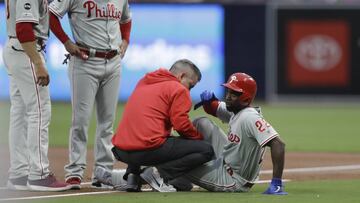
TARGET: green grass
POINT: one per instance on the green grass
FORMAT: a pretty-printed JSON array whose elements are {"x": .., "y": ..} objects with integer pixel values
[
  {"x": 311, "y": 191},
  {"x": 302, "y": 127},
  {"x": 317, "y": 128}
]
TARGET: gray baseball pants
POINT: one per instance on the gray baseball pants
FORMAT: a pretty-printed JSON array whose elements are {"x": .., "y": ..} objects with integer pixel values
[{"x": 95, "y": 80}]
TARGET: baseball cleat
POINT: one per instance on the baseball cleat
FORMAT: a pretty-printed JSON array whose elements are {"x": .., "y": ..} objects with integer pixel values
[
  {"x": 103, "y": 176},
  {"x": 74, "y": 182},
  {"x": 17, "y": 183},
  {"x": 155, "y": 181},
  {"x": 48, "y": 184}
]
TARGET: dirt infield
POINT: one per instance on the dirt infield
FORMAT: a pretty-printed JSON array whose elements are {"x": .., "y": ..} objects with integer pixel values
[{"x": 59, "y": 156}]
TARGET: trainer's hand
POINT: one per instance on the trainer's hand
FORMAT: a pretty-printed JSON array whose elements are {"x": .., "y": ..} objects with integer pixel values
[
  {"x": 74, "y": 50},
  {"x": 275, "y": 188},
  {"x": 207, "y": 96},
  {"x": 42, "y": 76}
]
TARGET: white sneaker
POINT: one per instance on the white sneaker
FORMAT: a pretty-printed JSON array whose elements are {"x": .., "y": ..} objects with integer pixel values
[
  {"x": 110, "y": 178},
  {"x": 153, "y": 178},
  {"x": 102, "y": 176}
]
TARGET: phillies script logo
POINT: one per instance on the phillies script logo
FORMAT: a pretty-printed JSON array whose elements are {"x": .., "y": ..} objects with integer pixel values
[
  {"x": 233, "y": 138},
  {"x": 110, "y": 11}
]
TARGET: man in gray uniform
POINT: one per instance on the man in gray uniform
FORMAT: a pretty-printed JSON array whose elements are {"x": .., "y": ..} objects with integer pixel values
[
  {"x": 28, "y": 28},
  {"x": 101, "y": 31}
]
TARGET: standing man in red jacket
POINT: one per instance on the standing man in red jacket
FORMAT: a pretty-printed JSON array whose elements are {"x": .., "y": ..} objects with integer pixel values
[{"x": 161, "y": 101}]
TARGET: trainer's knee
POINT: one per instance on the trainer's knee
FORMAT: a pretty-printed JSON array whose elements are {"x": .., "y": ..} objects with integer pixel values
[{"x": 209, "y": 152}]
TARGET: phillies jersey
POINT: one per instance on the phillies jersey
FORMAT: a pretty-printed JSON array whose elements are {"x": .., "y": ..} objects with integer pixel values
[
  {"x": 94, "y": 23},
  {"x": 248, "y": 133},
  {"x": 33, "y": 11}
]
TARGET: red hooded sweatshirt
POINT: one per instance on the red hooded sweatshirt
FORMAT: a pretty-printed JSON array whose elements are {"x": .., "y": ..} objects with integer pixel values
[{"x": 158, "y": 103}]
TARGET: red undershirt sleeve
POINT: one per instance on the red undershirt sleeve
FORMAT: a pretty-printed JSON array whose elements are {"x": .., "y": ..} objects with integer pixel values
[
  {"x": 211, "y": 108},
  {"x": 125, "y": 30},
  {"x": 56, "y": 28},
  {"x": 25, "y": 32}
]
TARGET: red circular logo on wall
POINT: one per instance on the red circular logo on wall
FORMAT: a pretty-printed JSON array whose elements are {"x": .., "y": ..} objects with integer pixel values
[{"x": 318, "y": 52}]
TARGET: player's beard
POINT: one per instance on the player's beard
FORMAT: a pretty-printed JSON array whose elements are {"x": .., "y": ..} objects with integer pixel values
[{"x": 233, "y": 107}]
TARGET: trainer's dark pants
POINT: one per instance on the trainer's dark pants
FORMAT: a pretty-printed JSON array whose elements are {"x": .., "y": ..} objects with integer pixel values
[{"x": 175, "y": 157}]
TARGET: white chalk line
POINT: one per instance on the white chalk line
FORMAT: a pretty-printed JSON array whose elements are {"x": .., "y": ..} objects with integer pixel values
[
  {"x": 316, "y": 169},
  {"x": 292, "y": 170},
  {"x": 55, "y": 196}
]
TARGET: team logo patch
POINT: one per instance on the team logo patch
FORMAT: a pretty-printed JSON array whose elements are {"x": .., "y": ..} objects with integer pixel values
[
  {"x": 27, "y": 6},
  {"x": 232, "y": 137},
  {"x": 233, "y": 78}
]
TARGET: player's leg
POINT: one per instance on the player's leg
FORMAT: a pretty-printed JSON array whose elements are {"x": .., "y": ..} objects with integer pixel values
[
  {"x": 84, "y": 85},
  {"x": 38, "y": 110},
  {"x": 212, "y": 134},
  {"x": 19, "y": 160},
  {"x": 106, "y": 102},
  {"x": 213, "y": 176}
]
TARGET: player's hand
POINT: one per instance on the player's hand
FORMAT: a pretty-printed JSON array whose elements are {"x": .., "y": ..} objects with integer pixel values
[
  {"x": 74, "y": 50},
  {"x": 207, "y": 96},
  {"x": 42, "y": 76},
  {"x": 275, "y": 188},
  {"x": 123, "y": 47}
]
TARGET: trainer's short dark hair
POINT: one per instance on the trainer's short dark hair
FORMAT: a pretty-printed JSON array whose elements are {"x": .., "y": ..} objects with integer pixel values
[{"x": 179, "y": 64}]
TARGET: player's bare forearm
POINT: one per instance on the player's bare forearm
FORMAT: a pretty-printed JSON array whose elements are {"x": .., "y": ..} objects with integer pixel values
[
  {"x": 31, "y": 51},
  {"x": 42, "y": 76},
  {"x": 277, "y": 156}
]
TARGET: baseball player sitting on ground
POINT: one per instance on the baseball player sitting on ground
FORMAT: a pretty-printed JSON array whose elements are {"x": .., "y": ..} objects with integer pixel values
[
  {"x": 101, "y": 30},
  {"x": 239, "y": 154},
  {"x": 161, "y": 101}
]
